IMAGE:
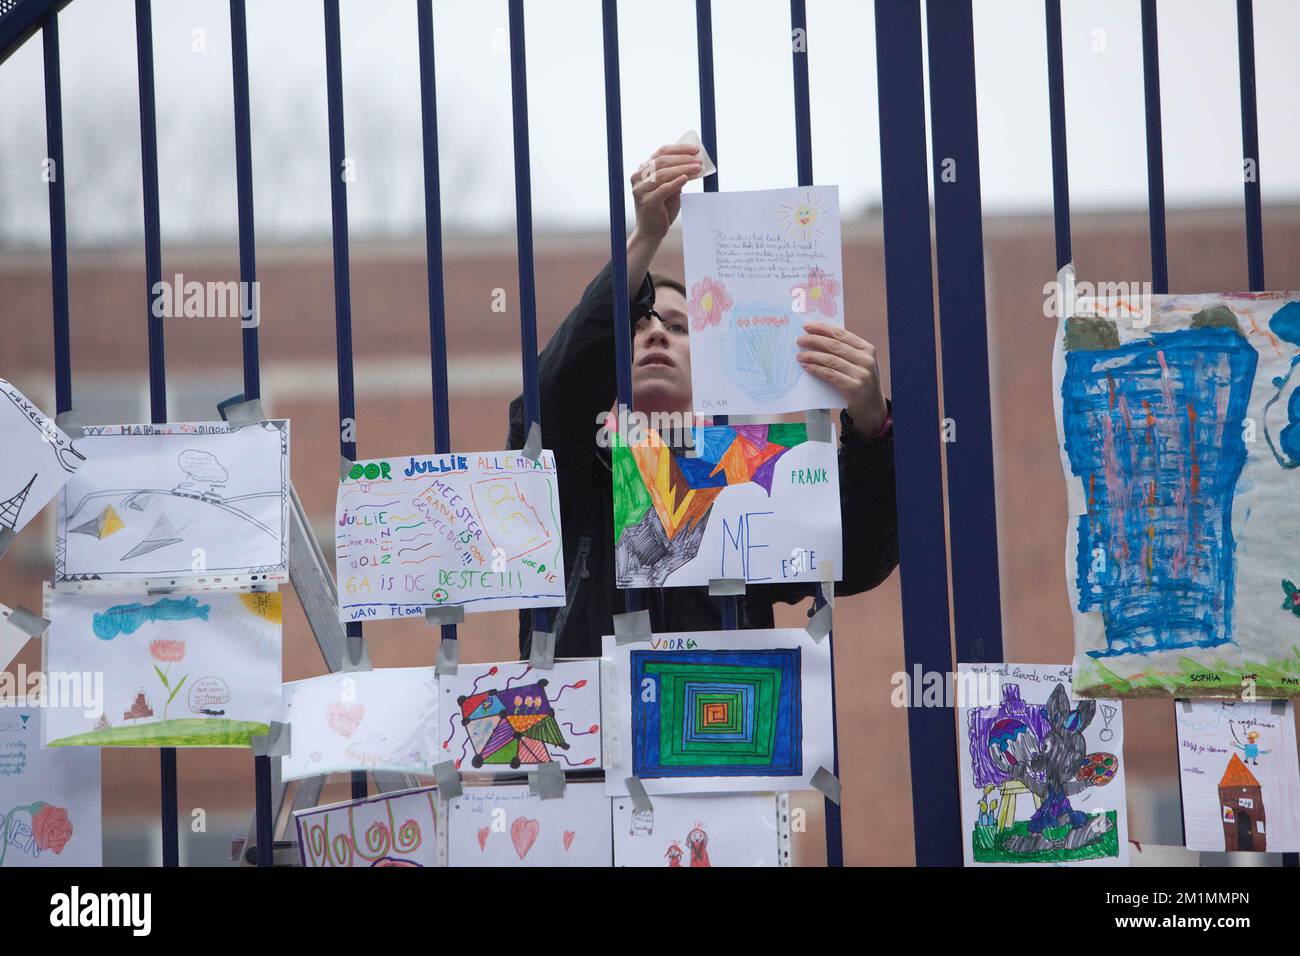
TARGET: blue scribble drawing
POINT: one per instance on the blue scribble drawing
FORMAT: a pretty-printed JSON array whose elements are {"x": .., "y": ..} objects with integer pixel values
[
  {"x": 1154, "y": 431},
  {"x": 758, "y": 350},
  {"x": 129, "y": 618},
  {"x": 1285, "y": 324}
]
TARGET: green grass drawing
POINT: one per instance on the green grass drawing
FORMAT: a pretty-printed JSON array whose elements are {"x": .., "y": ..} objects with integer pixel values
[
  {"x": 1193, "y": 678},
  {"x": 989, "y": 845},
  {"x": 182, "y": 732}
]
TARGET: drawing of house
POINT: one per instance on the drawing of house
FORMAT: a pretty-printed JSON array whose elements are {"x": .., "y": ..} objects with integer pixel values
[
  {"x": 1241, "y": 807},
  {"x": 139, "y": 708}
]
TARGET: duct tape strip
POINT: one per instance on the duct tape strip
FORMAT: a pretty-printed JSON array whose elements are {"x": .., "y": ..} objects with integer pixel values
[
  {"x": 276, "y": 742},
  {"x": 70, "y": 424},
  {"x": 33, "y": 625},
  {"x": 7, "y": 536},
  {"x": 345, "y": 466},
  {"x": 444, "y": 614},
  {"x": 448, "y": 778},
  {"x": 548, "y": 781},
  {"x": 542, "y": 650},
  {"x": 533, "y": 447},
  {"x": 1075, "y": 497},
  {"x": 1090, "y": 631},
  {"x": 829, "y": 785},
  {"x": 783, "y": 828},
  {"x": 820, "y": 624},
  {"x": 632, "y": 627},
  {"x": 1187, "y": 706},
  {"x": 726, "y": 587},
  {"x": 448, "y": 657},
  {"x": 692, "y": 138},
  {"x": 640, "y": 799},
  {"x": 818, "y": 423},
  {"x": 362, "y": 663},
  {"x": 1278, "y": 708},
  {"x": 828, "y": 582},
  {"x": 245, "y": 413},
  {"x": 12, "y": 640}
]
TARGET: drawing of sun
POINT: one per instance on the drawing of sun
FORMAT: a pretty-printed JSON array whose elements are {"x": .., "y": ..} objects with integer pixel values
[{"x": 798, "y": 219}]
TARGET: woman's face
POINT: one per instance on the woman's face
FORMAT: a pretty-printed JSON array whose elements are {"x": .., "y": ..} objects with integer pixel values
[{"x": 661, "y": 356}]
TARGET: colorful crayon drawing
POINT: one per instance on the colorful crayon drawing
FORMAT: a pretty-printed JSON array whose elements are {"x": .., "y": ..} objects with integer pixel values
[
  {"x": 743, "y": 829},
  {"x": 759, "y": 502},
  {"x": 206, "y": 503},
  {"x": 1029, "y": 768},
  {"x": 758, "y": 266},
  {"x": 480, "y": 530},
  {"x": 500, "y": 717},
  {"x": 510, "y": 826},
  {"x": 1177, "y": 441},
  {"x": 39, "y": 459},
  {"x": 395, "y": 829},
  {"x": 197, "y": 670}
]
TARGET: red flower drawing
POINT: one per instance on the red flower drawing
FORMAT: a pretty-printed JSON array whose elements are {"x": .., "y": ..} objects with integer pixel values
[
  {"x": 51, "y": 828},
  {"x": 167, "y": 651},
  {"x": 822, "y": 292},
  {"x": 709, "y": 299}
]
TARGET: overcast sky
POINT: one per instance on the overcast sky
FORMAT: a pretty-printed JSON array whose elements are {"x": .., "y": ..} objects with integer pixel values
[{"x": 1102, "y": 40}]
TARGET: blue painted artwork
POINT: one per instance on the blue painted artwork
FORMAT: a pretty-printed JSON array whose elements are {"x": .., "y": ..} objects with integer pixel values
[
  {"x": 129, "y": 618},
  {"x": 1153, "y": 429}
]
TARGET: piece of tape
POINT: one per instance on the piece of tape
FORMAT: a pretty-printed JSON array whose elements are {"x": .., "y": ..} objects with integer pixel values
[
  {"x": 1187, "y": 706},
  {"x": 726, "y": 587},
  {"x": 1277, "y": 708},
  {"x": 1065, "y": 290},
  {"x": 7, "y": 536},
  {"x": 448, "y": 779},
  {"x": 828, "y": 582},
  {"x": 533, "y": 447},
  {"x": 274, "y": 743},
  {"x": 33, "y": 625},
  {"x": 362, "y": 663},
  {"x": 448, "y": 657},
  {"x": 828, "y": 784},
  {"x": 819, "y": 625},
  {"x": 345, "y": 466},
  {"x": 632, "y": 627},
  {"x": 640, "y": 799},
  {"x": 693, "y": 138},
  {"x": 542, "y": 650},
  {"x": 444, "y": 614},
  {"x": 1089, "y": 632},
  {"x": 818, "y": 423},
  {"x": 70, "y": 424},
  {"x": 245, "y": 413},
  {"x": 548, "y": 781}
]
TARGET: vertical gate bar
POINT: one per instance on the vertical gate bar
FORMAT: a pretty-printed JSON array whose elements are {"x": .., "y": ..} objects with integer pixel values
[
  {"x": 433, "y": 242},
  {"x": 959, "y": 241},
  {"x": 1250, "y": 143},
  {"x": 157, "y": 366},
  {"x": 342, "y": 280},
  {"x": 265, "y": 813},
  {"x": 1056, "y": 106},
  {"x": 905, "y": 205},
  {"x": 1155, "y": 149},
  {"x": 524, "y": 239},
  {"x": 58, "y": 216},
  {"x": 803, "y": 150}
]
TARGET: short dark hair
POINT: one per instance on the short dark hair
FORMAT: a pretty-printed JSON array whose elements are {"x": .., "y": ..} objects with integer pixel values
[{"x": 660, "y": 281}]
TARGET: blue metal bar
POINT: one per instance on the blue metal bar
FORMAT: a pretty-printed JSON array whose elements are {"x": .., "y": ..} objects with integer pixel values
[
  {"x": 433, "y": 242},
  {"x": 1056, "y": 105},
  {"x": 708, "y": 101},
  {"x": 910, "y": 300},
  {"x": 1155, "y": 149},
  {"x": 157, "y": 361},
  {"x": 58, "y": 216},
  {"x": 1250, "y": 143},
  {"x": 342, "y": 275},
  {"x": 959, "y": 238}
]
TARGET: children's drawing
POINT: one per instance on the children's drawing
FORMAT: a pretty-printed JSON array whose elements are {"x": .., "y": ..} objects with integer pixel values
[
  {"x": 511, "y": 826},
  {"x": 501, "y": 717},
  {"x": 718, "y": 711},
  {"x": 1031, "y": 782},
  {"x": 39, "y": 459},
  {"x": 1177, "y": 426},
  {"x": 393, "y": 829},
  {"x": 378, "y": 720},
  {"x": 184, "y": 670},
  {"x": 1239, "y": 775},
  {"x": 49, "y": 799},
  {"x": 759, "y": 502},
  {"x": 477, "y": 530},
  {"x": 758, "y": 266},
  {"x": 194, "y": 504},
  {"x": 751, "y": 829}
]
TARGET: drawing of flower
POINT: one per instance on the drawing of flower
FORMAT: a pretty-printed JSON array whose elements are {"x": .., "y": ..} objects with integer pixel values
[
  {"x": 709, "y": 299},
  {"x": 168, "y": 652},
  {"x": 1292, "y": 602},
  {"x": 51, "y": 827},
  {"x": 822, "y": 292}
]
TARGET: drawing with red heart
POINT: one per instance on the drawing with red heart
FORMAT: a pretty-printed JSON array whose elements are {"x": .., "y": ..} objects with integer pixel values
[
  {"x": 344, "y": 720},
  {"x": 523, "y": 833},
  {"x": 482, "y": 837}
]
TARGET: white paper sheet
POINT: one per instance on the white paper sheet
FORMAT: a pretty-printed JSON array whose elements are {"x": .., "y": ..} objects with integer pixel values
[
  {"x": 503, "y": 717},
  {"x": 201, "y": 504},
  {"x": 509, "y": 826},
  {"x": 384, "y": 719},
  {"x": 1006, "y": 722},
  {"x": 736, "y": 711},
  {"x": 178, "y": 670},
  {"x": 395, "y": 829},
  {"x": 758, "y": 266},
  {"x": 703, "y": 831},
  {"x": 49, "y": 799},
  {"x": 475, "y": 529},
  {"x": 38, "y": 459},
  {"x": 1239, "y": 775}
]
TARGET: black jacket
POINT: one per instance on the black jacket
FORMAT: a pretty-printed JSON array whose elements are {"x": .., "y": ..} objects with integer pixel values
[{"x": 576, "y": 383}]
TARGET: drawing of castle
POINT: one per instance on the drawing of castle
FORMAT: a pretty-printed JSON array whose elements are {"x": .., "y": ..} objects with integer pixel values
[
  {"x": 1241, "y": 807},
  {"x": 139, "y": 708}
]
